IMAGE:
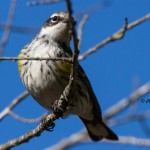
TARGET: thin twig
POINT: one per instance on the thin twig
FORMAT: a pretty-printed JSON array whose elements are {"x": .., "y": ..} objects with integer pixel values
[
  {"x": 75, "y": 138},
  {"x": 8, "y": 26},
  {"x": 75, "y": 41},
  {"x": 84, "y": 16},
  {"x": 80, "y": 28},
  {"x": 29, "y": 135},
  {"x": 69, "y": 89},
  {"x": 129, "y": 140},
  {"x": 126, "y": 119},
  {"x": 36, "y": 58},
  {"x": 41, "y": 2},
  {"x": 15, "y": 102},
  {"x": 81, "y": 137},
  {"x": 125, "y": 102},
  {"x": 117, "y": 36},
  {"x": 25, "y": 120},
  {"x": 20, "y": 29}
]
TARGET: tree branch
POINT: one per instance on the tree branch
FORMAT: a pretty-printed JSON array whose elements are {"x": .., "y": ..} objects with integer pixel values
[
  {"x": 81, "y": 137},
  {"x": 8, "y": 26},
  {"x": 80, "y": 28},
  {"x": 15, "y": 102},
  {"x": 131, "y": 117},
  {"x": 48, "y": 121},
  {"x": 69, "y": 89},
  {"x": 36, "y": 58},
  {"x": 25, "y": 120},
  {"x": 20, "y": 29},
  {"x": 125, "y": 102},
  {"x": 129, "y": 140},
  {"x": 41, "y": 2},
  {"x": 116, "y": 36}
]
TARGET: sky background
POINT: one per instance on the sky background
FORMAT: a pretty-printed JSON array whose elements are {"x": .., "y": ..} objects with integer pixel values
[{"x": 112, "y": 70}]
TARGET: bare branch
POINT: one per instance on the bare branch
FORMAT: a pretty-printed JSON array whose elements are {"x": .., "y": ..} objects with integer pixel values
[
  {"x": 70, "y": 141},
  {"x": 42, "y": 2},
  {"x": 81, "y": 137},
  {"x": 15, "y": 102},
  {"x": 84, "y": 15},
  {"x": 48, "y": 121},
  {"x": 131, "y": 117},
  {"x": 116, "y": 36},
  {"x": 25, "y": 120},
  {"x": 20, "y": 29},
  {"x": 75, "y": 41},
  {"x": 131, "y": 140},
  {"x": 125, "y": 102},
  {"x": 8, "y": 26},
  {"x": 67, "y": 93},
  {"x": 80, "y": 28},
  {"x": 36, "y": 58}
]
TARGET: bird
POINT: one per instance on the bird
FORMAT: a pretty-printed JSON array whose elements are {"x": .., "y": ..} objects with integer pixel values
[{"x": 46, "y": 80}]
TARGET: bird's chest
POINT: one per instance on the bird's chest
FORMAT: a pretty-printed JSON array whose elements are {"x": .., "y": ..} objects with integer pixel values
[
  {"x": 43, "y": 75},
  {"x": 46, "y": 80}
]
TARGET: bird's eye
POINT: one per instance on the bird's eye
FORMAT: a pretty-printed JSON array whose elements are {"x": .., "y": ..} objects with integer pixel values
[{"x": 55, "y": 19}]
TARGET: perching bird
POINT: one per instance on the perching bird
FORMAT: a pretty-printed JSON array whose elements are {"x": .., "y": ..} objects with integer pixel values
[{"x": 45, "y": 80}]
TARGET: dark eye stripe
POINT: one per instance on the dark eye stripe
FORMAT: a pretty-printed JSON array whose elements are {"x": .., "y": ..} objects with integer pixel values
[{"x": 49, "y": 22}]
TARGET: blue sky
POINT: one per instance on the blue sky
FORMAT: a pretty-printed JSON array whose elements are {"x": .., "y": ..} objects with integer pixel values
[{"x": 112, "y": 70}]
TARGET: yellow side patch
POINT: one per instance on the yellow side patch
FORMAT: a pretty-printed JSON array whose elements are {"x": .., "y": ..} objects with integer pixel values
[
  {"x": 20, "y": 62},
  {"x": 64, "y": 67}
]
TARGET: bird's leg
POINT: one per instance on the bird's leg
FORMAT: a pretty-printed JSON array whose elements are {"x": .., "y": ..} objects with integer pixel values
[
  {"x": 48, "y": 125},
  {"x": 59, "y": 107}
]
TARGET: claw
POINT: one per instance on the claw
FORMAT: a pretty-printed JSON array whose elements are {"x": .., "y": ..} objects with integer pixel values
[
  {"x": 48, "y": 127},
  {"x": 51, "y": 127},
  {"x": 59, "y": 107}
]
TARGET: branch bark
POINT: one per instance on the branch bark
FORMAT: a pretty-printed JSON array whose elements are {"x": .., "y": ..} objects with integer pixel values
[
  {"x": 36, "y": 59},
  {"x": 116, "y": 36},
  {"x": 8, "y": 25},
  {"x": 48, "y": 121},
  {"x": 15, "y": 102},
  {"x": 125, "y": 102},
  {"x": 42, "y": 2}
]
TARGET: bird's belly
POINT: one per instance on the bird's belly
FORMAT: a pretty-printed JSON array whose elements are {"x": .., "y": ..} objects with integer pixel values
[{"x": 45, "y": 83}]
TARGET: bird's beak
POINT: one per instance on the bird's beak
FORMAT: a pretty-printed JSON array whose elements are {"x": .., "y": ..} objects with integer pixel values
[
  {"x": 66, "y": 21},
  {"x": 69, "y": 22}
]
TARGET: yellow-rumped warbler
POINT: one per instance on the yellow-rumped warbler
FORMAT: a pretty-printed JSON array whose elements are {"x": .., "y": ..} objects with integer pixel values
[{"x": 45, "y": 80}]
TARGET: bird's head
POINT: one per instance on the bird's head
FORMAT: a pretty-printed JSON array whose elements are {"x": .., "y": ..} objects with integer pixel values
[{"x": 58, "y": 27}]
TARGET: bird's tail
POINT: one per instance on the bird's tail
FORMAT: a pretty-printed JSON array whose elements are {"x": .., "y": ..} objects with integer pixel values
[{"x": 98, "y": 131}]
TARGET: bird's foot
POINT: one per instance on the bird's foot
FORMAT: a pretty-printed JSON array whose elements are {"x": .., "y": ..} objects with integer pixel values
[{"x": 59, "y": 107}]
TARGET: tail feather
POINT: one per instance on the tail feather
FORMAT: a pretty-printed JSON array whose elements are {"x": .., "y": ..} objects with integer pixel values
[
  {"x": 111, "y": 135},
  {"x": 98, "y": 131}
]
